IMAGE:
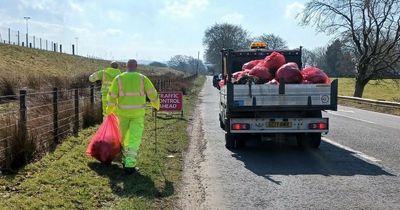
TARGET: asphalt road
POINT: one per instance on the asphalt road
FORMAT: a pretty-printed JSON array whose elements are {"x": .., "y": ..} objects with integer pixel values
[{"x": 356, "y": 167}]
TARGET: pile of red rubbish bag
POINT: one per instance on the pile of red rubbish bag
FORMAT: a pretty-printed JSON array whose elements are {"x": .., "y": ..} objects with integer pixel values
[{"x": 273, "y": 68}]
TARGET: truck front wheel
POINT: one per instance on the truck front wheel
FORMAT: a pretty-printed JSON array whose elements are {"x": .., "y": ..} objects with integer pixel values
[
  {"x": 309, "y": 140},
  {"x": 233, "y": 141}
]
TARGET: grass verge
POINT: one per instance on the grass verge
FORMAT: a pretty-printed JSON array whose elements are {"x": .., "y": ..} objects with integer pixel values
[
  {"x": 39, "y": 69},
  {"x": 68, "y": 179},
  {"x": 370, "y": 107},
  {"x": 387, "y": 90}
]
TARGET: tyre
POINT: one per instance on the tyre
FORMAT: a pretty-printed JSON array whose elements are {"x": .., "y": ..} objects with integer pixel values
[
  {"x": 309, "y": 140},
  {"x": 221, "y": 123},
  {"x": 233, "y": 141}
]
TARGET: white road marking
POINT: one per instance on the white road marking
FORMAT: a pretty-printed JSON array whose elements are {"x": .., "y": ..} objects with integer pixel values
[
  {"x": 358, "y": 153},
  {"x": 348, "y": 111},
  {"x": 353, "y": 118}
]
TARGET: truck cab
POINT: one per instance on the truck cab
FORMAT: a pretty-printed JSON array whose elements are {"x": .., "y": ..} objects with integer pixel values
[{"x": 270, "y": 111}]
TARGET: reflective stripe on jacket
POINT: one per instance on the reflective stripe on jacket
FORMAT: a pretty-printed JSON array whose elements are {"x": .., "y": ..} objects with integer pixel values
[
  {"x": 128, "y": 93},
  {"x": 106, "y": 76}
]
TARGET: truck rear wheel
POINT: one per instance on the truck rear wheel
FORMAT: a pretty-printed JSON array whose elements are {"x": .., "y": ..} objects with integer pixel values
[
  {"x": 309, "y": 140},
  {"x": 221, "y": 123},
  {"x": 233, "y": 141}
]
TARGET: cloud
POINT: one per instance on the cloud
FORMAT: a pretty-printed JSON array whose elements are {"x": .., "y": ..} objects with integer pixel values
[
  {"x": 232, "y": 18},
  {"x": 115, "y": 15},
  {"x": 112, "y": 32},
  {"x": 76, "y": 7},
  {"x": 293, "y": 9},
  {"x": 51, "y": 7},
  {"x": 47, "y": 5},
  {"x": 183, "y": 8}
]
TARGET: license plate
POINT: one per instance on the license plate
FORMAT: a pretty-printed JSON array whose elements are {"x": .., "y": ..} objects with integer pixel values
[{"x": 274, "y": 124}]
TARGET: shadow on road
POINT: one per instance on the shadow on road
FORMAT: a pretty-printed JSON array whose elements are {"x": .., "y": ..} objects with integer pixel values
[
  {"x": 329, "y": 160},
  {"x": 131, "y": 185}
]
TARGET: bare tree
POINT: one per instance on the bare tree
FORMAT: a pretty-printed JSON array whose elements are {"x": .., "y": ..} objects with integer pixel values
[
  {"x": 274, "y": 42},
  {"x": 186, "y": 64},
  {"x": 308, "y": 58},
  {"x": 178, "y": 62},
  {"x": 369, "y": 28},
  {"x": 223, "y": 36}
]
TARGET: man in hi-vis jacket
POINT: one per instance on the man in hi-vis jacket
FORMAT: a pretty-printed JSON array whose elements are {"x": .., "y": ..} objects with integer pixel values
[
  {"x": 127, "y": 99},
  {"x": 106, "y": 76}
]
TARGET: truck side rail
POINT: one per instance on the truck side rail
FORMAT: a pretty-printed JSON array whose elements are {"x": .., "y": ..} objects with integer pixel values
[{"x": 280, "y": 98}]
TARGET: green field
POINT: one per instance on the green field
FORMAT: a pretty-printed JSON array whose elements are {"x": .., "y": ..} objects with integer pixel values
[
  {"x": 387, "y": 89},
  {"x": 68, "y": 179}
]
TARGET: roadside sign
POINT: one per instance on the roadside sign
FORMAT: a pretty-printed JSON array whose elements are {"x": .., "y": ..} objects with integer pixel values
[{"x": 171, "y": 101}]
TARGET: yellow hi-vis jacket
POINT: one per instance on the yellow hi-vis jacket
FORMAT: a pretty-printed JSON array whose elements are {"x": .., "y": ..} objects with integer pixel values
[
  {"x": 106, "y": 76},
  {"x": 128, "y": 93}
]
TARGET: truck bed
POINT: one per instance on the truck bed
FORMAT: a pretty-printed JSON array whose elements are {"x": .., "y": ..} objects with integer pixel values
[{"x": 281, "y": 97}]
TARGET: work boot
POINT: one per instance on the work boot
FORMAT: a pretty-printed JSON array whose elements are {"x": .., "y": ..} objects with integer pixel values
[{"x": 130, "y": 171}]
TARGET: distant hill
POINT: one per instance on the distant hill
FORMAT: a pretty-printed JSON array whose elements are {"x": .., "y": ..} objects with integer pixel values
[{"x": 144, "y": 62}]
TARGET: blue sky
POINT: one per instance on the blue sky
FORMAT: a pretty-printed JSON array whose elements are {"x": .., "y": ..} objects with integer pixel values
[{"x": 153, "y": 29}]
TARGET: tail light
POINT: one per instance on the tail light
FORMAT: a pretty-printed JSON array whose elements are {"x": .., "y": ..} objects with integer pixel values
[
  {"x": 240, "y": 126},
  {"x": 318, "y": 126}
]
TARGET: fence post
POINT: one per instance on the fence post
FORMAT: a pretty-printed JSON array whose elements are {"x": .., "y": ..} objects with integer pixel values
[
  {"x": 76, "y": 106},
  {"x": 23, "y": 45},
  {"x": 60, "y": 48},
  {"x": 40, "y": 40},
  {"x": 18, "y": 37},
  {"x": 27, "y": 41},
  {"x": 34, "y": 42},
  {"x": 30, "y": 45},
  {"x": 73, "y": 49},
  {"x": 92, "y": 96},
  {"x": 9, "y": 35},
  {"x": 23, "y": 129},
  {"x": 47, "y": 46},
  {"x": 54, "y": 47},
  {"x": 55, "y": 115}
]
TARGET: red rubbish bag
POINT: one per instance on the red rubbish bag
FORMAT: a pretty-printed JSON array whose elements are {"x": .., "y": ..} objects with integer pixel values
[
  {"x": 290, "y": 72},
  {"x": 250, "y": 64},
  {"x": 274, "y": 61},
  {"x": 261, "y": 72},
  {"x": 237, "y": 75},
  {"x": 221, "y": 83},
  {"x": 106, "y": 143},
  {"x": 314, "y": 75}
]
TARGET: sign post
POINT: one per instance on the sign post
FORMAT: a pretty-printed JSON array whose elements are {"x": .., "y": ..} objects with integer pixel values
[{"x": 171, "y": 101}]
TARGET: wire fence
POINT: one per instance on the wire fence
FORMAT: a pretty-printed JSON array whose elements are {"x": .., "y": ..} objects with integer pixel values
[
  {"x": 33, "y": 123},
  {"x": 13, "y": 37}
]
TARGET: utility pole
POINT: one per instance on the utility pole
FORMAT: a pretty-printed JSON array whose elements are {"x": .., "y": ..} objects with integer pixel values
[
  {"x": 27, "y": 32},
  {"x": 198, "y": 60}
]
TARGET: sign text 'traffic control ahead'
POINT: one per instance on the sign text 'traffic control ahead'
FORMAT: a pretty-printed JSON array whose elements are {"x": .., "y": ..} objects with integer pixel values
[{"x": 171, "y": 101}]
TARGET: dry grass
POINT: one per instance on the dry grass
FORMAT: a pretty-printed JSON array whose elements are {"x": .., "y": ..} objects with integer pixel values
[{"x": 37, "y": 68}]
